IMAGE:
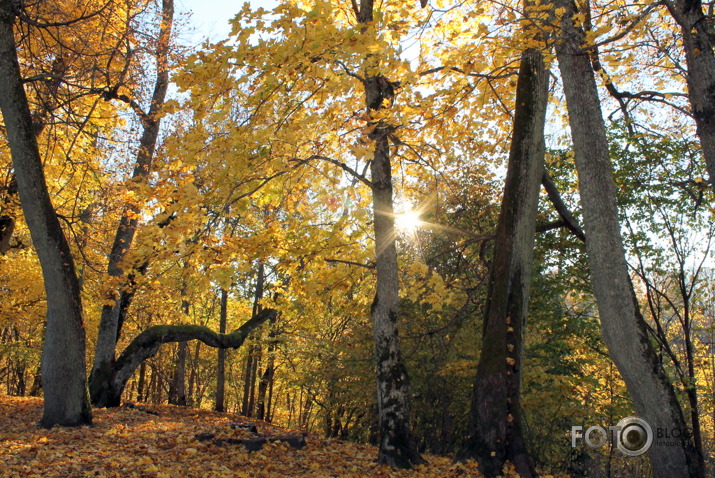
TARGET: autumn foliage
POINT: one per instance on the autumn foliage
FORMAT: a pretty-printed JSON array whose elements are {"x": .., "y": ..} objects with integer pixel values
[{"x": 339, "y": 219}]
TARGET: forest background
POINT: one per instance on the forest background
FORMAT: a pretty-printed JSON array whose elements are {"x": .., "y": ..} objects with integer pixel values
[{"x": 236, "y": 185}]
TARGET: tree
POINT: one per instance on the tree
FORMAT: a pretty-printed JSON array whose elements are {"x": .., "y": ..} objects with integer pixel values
[
  {"x": 496, "y": 431},
  {"x": 221, "y": 364},
  {"x": 697, "y": 38},
  {"x": 113, "y": 313},
  {"x": 63, "y": 358},
  {"x": 624, "y": 330},
  {"x": 397, "y": 447}
]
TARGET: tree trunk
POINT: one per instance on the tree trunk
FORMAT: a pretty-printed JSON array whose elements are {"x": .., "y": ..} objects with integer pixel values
[
  {"x": 396, "y": 444},
  {"x": 8, "y": 208},
  {"x": 266, "y": 379},
  {"x": 109, "y": 324},
  {"x": 177, "y": 388},
  {"x": 495, "y": 434},
  {"x": 700, "y": 58},
  {"x": 142, "y": 383},
  {"x": 254, "y": 352},
  {"x": 221, "y": 367},
  {"x": 63, "y": 355},
  {"x": 247, "y": 380},
  {"x": 624, "y": 329},
  {"x": 397, "y": 448}
]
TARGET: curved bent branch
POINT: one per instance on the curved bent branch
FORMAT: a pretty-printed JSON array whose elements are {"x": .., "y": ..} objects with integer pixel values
[{"x": 146, "y": 344}]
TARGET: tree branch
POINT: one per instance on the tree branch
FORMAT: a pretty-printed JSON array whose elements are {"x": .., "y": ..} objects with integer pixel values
[
  {"x": 369, "y": 265},
  {"x": 340, "y": 164},
  {"x": 568, "y": 220},
  {"x": 146, "y": 344},
  {"x": 22, "y": 15}
]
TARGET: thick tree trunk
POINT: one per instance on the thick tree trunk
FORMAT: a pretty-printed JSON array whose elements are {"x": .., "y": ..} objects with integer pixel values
[
  {"x": 624, "y": 329},
  {"x": 63, "y": 355},
  {"x": 495, "y": 434},
  {"x": 146, "y": 345},
  {"x": 696, "y": 29},
  {"x": 109, "y": 325},
  {"x": 221, "y": 367}
]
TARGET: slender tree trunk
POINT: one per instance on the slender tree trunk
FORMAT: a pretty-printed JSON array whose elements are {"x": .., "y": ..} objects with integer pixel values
[
  {"x": 269, "y": 400},
  {"x": 8, "y": 208},
  {"x": 63, "y": 355},
  {"x": 254, "y": 352},
  {"x": 192, "y": 391},
  {"x": 266, "y": 379},
  {"x": 696, "y": 30},
  {"x": 247, "y": 380},
  {"x": 495, "y": 434},
  {"x": 624, "y": 329},
  {"x": 177, "y": 388},
  {"x": 142, "y": 383},
  {"x": 109, "y": 325},
  {"x": 397, "y": 447},
  {"x": 221, "y": 367},
  {"x": 256, "y": 365}
]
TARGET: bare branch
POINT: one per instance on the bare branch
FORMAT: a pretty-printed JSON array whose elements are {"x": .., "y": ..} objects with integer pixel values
[
  {"x": 22, "y": 15},
  {"x": 568, "y": 220},
  {"x": 340, "y": 164},
  {"x": 369, "y": 265}
]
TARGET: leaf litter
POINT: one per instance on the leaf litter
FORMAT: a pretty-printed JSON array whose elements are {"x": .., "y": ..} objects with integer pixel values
[{"x": 160, "y": 441}]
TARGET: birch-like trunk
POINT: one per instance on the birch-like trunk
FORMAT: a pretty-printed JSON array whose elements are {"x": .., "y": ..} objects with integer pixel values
[{"x": 624, "y": 329}]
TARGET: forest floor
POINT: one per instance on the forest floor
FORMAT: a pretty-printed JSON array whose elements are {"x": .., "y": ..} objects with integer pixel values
[{"x": 159, "y": 441}]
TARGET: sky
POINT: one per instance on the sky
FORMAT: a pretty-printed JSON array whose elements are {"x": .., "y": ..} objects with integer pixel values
[{"x": 210, "y": 18}]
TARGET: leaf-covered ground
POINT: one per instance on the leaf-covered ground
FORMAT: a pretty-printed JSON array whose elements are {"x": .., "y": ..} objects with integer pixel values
[{"x": 129, "y": 442}]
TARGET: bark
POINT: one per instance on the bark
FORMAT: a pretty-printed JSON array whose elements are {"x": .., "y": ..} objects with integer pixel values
[
  {"x": 63, "y": 355},
  {"x": 249, "y": 379},
  {"x": 7, "y": 218},
  {"x": 221, "y": 367},
  {"x": 142, "y": 383},
  {"x": 495, "y": 434},
  {"x": 109, "y": 325},
  {"x": 147, "y": 344},
  {"x": 266, "y": 380},
  {"x": 47, "y": 104},
  {"x": 397, "y": 447},
  {"x": 624, "y": 329},
  {"x": 177, "y": 388},
  {"x": 700, "y": 59},
  {"x": 254, "y": 353}
]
